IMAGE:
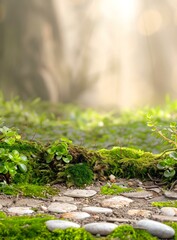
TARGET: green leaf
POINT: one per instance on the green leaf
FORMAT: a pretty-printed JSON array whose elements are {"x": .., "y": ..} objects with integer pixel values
[
  {"x": 160, "y": 166},
  {"x": 66, "y": 160},
  {"x": 173, "y": 155},
  {"x": 169, "y": 173},
  {"x": 22, "y": 167}
]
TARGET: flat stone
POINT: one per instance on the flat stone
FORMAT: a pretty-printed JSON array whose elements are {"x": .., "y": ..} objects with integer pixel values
[
  {"x": 62, "y": 199},
  {"x": 100, "y": 228},
  {"x": 169, "y": 211},
  {"x": 156, "y": 190},
  {"x": 159, "y": 199},
  {"x": 6, "y": 202},
  {"x": 139, "y": 194},
  {"x": 0, "y": 206},
  {"x": 75, "y": 215},
  {"x": 157, "y": 229},
  {"x": 91, "y": 209},
  {"x": 80, "y": 193},
  {"x": 170, "y": 194},
  {"x": 116, "y": 202},
  {"x": 139, "y": 213},
  {"x": 58, "y": 207},
  {"x": 29, "y": 202},
  {"x": 163, "y": 218},
  {"x": 20, "y": 210},
  {"x": 60, "y": 224}
]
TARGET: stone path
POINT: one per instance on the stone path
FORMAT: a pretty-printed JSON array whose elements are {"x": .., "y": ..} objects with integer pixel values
[{"x": 101, "y": 214}]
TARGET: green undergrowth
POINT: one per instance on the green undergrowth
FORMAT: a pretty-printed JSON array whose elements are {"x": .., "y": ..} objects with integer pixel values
[
  {"x": 165, "y": 204},
  {"x": 114, "y": 189},
  {"x": 30, "y": 227}
]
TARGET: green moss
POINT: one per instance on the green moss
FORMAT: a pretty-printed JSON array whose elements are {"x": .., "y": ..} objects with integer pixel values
[
  {"x": 165, "y": 204},
  {"x": 114, "y": 189},
  {"x": 126, "y": 162},
  {"x": 79, "y": 175},
  {"x": 20, "y": 228},
  {"x": 2, "y": 214},
  {"x": 127, "y": 232},
  {"x": 29, "y": 190}
]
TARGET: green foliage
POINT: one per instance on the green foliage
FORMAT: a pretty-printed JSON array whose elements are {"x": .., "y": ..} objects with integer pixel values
[
  {"x": 114, "y": 189},
  {"x": 59, "y": 151},
  {"x": 28, "y": 190},
  {"x": 79, "y": 175},
  {"x": 127, "y": 232},
  {"x": 12, "y": 161}
]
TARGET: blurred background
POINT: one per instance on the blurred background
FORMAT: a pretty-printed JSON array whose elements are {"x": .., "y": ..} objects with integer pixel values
[{"x": 98, "y": 53}]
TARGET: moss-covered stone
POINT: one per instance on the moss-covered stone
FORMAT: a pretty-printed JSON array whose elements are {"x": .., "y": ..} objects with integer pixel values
[
  {"x": 165, "y": 204},
  {"x": 114, "y": 189}
]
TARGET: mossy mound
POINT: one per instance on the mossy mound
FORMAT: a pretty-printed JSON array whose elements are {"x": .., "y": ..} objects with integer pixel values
[
  {"x": 165, "y": 204},
  {"x": 127, "y": 232}
]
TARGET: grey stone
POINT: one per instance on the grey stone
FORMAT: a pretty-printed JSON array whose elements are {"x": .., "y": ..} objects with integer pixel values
[
  {"x": 62, "y": 199},
  {"x": 157, "y": 229},
  {"x": 170, "y": 194},
  {"x": 100, "y": 228},
  {"x": 139, "y": 194},
  {"x": 60, "y": 224},
  {"x": 169, "y": 211},
  {"x": 20, "y": 210},
  {"x": 58, "y": 207},
  {"x": 80, "y": 193},
  {"x": 116, "y": 202},
  {"x": 29, "y": 202},
  {"x": 93, "y": 209}
]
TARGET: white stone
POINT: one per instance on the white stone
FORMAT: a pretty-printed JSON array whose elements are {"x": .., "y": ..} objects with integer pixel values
[
  {"x": 80, "y": 193},
  {"x": 157, "y": 229},
  {"x": 58, "y": 207},
  {"x": 62, "y": 199},
  {"x": 169, "y": 211},
  {"x": 20, "y": 210},
  {"x": 91, "y": 209},
  {"x": 170, "y": 194},
  {"x": 75, "y": 215},
  {"x": 116, "y": 202},
  {"x": 100, "y": 228},
  {"x": 60, "y": 224}
]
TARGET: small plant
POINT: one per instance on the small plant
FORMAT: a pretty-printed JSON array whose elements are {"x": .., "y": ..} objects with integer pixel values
[
  {"x": 79, "y": 174},
  {"x": 11, "y": 161},
  {"x": 169, "y": 157},
  {"x": 59, "y": 151}
]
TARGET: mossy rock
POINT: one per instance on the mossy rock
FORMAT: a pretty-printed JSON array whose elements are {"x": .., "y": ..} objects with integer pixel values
[{"x": 114, "y": 189}]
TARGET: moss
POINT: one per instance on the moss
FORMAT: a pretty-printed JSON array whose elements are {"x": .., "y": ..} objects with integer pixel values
[
  {"x": 79, "y": 175},
  {"x": 114, "y": 189},
  {"x": 29, "y": 190},
  {"x": 165, "y": 204},
  {"x": 126, "y": 162},
  {"x": 127, "y": 232},
  {"x": 19, "y": 228},
  {"x": 2, "y": 214}
]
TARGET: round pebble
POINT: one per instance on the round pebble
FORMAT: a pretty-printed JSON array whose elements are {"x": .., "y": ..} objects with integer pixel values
[
  {"x": 20, "y": 210},
  {"x": 80, "y": 193},
  {"x": 157, "y": 229},
  {"x": 58, "y": 207},
  {"x": 100, "y": 228},
  {"x": 93, "y": 209},
  {"x": 60, "y": 224}
]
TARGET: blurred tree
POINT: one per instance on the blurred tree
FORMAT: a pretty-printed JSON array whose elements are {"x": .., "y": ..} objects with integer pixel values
[{"x": 29, "y": 33}]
